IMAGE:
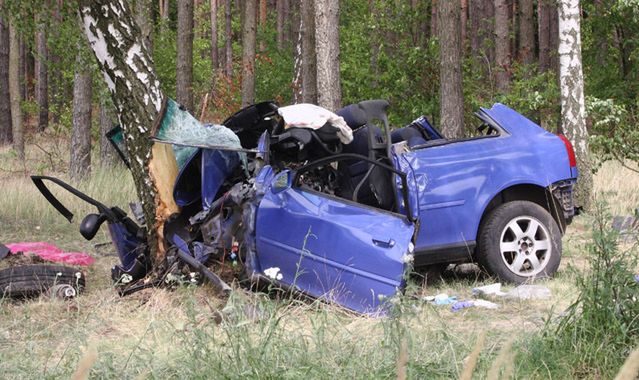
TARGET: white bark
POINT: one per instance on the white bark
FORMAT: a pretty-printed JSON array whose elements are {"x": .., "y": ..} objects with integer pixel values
[{"x": 573, "y": 110}]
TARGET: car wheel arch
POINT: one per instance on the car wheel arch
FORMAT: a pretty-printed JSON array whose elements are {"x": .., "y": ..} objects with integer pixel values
[{"x": 526, "y": 192}]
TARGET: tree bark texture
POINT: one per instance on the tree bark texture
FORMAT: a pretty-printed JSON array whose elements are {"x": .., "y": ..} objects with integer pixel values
[
  {"x": 526, "y": 32},
  {"x": 481, "y": 15},
  {"x": 6, "y": 135},
  {"x": 309, "y": 60},
  {"x": 464, "y": 22},
  {"x": 108, "y": 156},
  {"x": 297, "y": 62},
  {"x": 262, "y": 23},
  {"x": 248, "y": 53},
  {"x": 502, "y": 46},
  {"x": 14, "y": 92},
  {"x": 543, "y": 17},
  {"x": 451, "y": 95},
  {"x": 433, "y": 17},
  {"x": 80, "y": 160},
  {"x": 184, "y": 64},
  {"x": 329, "y": 93},
  {"x": 215, "y": 58},
  {"x": 128, "y": 70},
  {"x": 143, "y": 17},
  {"x": 573, "y": 112},
  {"x": 228, "y": 39},
  {"x": 282, "y": 18},
  {"x": 42, "y": 77}
]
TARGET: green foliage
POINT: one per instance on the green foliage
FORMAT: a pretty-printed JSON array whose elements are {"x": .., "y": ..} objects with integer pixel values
[
  {"x": 614, "y": 134},
  {"x": 601, "y": 327}
]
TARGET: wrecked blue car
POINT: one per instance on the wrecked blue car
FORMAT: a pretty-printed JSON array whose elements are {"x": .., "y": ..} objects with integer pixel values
[{"x": 344, "y": 214}]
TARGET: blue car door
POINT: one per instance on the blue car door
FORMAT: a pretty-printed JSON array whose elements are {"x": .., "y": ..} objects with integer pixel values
[{"x": 332, "y": 248}]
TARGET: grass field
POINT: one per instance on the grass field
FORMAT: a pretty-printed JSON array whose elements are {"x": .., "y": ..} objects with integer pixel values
[{"x": 159, "y": 334}]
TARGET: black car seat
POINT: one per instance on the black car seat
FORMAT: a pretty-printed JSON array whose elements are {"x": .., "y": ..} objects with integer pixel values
[{"x": 360, "y": 181}]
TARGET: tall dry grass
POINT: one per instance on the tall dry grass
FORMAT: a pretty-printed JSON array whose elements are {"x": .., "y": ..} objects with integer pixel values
[{"x": 619, "y": 186}]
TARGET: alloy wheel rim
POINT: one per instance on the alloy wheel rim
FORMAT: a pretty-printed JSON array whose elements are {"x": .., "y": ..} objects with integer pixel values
[{"x": 525, "y": 246}]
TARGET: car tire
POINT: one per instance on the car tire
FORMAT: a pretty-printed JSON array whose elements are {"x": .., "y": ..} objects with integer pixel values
[
  {"x": 31, "y": 280},
  {"x": 519, "y": 242}
]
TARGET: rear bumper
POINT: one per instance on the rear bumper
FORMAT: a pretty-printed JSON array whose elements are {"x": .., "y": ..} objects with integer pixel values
[{"x": 562, "y": 191}]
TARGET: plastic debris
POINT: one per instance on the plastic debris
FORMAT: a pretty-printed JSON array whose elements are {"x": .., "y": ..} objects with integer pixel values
[
  {"x": 637, "y": 277},
  {"x": 529, "y": 292},
  {"x": 473, "y": 303},
  {"x": 489, "y": 290},
  {"x": 50, "y": 252},
  {"x": 441, "y": 299}
]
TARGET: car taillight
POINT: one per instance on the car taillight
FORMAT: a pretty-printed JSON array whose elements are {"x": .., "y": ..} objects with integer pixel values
[{"x": 569, "y": 150}]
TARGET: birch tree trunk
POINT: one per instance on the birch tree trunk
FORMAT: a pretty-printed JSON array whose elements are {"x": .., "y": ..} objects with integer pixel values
[
  {"x": 248, "y": 53},
  {"x": 184, "y": 64},
  {"x": 450, "y": 96},
  {"x": 329, "y": 93},
  {"x": 80, "y": 160},
  {"x": 127, "y": 66},
  {"x": 14, "y": 91},
  {"x": 6, "y": 136},
  {"x": 573, "y": 112},
  {"x": 107, "y": 153}
]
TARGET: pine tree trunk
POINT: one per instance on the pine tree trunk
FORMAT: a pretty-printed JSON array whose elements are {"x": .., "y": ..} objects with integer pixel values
[
  {"x": 127, "y": 66},
  {"x": 228, "y": 42},
  {"x": 502, "y": 46},
  {"x": 14, "y": 92},
  {"x": 108, "y": 155},
  {"x": 184, "y": 64},
  {"x": 526, "y": 32},
  {"x": 329, "y": 93},
  {"x": 262, "y": 23},
  {"x": 309, "y": 62},
  {"x": 573, "y": 113},
  {"x": 433, "y": 18},
  {"x": 281, "y": 22},
  {"x": 248, "y": 52},
  {"x": 80, "y": 160},
  {"x": 481, "y": 19},
  {"x": 215, "y": 58},
  {"x": 42, "y": 78},
  {"x": 464, "y": 22},
  {"x": 543, "y": 15},
  {"x": 6, "y": 135},
  {"x": 56, "y": 80},
  {"x": 554, "y": 36},
  {"x": 451, "y": 95}
]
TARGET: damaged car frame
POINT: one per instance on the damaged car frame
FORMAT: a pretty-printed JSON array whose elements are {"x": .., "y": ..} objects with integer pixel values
[{"x": 345, "y": 222}]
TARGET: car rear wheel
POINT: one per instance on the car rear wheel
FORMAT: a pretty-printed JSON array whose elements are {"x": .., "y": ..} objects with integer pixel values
[{"x": 518, "y": 242}]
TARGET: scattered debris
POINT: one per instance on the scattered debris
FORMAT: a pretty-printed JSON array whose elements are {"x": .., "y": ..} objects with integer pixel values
[
  {"x": 50, "y": 252},
  {"x": 441, "y": 299},
  {"x": 627, "y": 226},
  {"x": 473, "y": 303},
  {"x": 489, "y": 290},
  {"x": 529, "y": 292},
  {"x": 62, "y": 291},
  {"x": 4, "y": 251},
  {"x": 26, "y": 281}
]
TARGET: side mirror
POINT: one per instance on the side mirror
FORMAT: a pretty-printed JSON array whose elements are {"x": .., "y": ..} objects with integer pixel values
[
  {"x": 281, "y": 182},
  {"x": 91, "y": 224}
]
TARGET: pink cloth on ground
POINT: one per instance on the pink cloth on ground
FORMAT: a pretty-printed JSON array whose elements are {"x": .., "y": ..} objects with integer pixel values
[{"x": 50, "y": 252}]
